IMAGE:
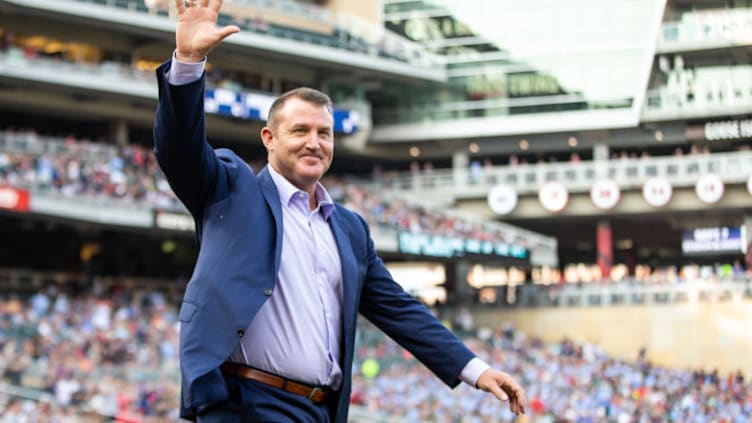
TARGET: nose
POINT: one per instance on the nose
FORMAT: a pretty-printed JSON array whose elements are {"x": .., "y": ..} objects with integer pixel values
[{"x": 313, "y": 141}]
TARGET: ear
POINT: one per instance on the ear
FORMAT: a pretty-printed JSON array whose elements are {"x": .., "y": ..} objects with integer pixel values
[{"x": 267, "y": 137}]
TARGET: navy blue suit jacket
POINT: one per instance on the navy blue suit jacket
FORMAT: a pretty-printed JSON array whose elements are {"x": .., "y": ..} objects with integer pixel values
[{"x": 239, "y": 228}]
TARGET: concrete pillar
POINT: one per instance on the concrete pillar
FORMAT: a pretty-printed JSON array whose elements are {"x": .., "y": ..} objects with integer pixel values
[
  {"x": 459, "y": 293},
  {"x": 600, "y": 152},
  {"x": 120, "y": 132},
  {"x": 604, "y": 248},
  {"x": 460, "y": 166},
  {"x": 601, "y": 160}
]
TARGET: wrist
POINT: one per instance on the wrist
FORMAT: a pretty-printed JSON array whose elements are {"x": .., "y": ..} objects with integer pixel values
[
  {"x": 189, "y": 58},
  {"x": 473, "y": 370}
]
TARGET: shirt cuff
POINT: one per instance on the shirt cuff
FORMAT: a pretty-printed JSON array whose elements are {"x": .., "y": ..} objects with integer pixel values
[
  {"x": 473, "y": 370},
  {"x": 182, "y": 73}
]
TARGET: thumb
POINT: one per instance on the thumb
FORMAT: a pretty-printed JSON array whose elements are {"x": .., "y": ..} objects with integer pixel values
[{"x": 226, "y": 31}]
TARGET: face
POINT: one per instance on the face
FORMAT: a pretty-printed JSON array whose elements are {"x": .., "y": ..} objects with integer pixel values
[{"x": 301, "y": 146}]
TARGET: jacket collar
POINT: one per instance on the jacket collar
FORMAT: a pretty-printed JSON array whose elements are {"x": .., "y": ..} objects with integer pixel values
[{"x": 269, "y": 190}]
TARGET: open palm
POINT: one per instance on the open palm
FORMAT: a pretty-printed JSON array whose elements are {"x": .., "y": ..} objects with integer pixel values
[{"x": 196, "y": 33}]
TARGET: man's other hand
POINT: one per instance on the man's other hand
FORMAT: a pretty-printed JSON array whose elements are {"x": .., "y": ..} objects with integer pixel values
[{"x": 505, "y": 388}]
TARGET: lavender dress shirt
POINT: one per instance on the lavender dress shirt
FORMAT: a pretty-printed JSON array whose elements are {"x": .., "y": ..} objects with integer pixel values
[{"x": 296, "y": 332}]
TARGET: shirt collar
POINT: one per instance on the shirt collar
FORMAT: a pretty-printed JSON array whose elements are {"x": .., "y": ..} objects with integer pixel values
[{"x": 287, "y": 190}]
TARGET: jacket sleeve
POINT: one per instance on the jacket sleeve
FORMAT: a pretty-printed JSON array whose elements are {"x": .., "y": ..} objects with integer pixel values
[
  {"x": 409, "y": 323},
  {"x": 182, "y": 151}
]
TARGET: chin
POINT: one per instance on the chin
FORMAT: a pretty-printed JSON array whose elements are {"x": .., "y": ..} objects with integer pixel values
[{"x": 312, "y": 173}]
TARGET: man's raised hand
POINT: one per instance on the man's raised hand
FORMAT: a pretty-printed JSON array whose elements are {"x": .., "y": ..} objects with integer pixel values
[{"x": 196, "y": 33}]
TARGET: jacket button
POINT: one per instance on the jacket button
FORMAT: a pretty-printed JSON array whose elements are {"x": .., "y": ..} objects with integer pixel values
[
  {"x": 240, "y": 333},
  {"x": 268, "y": 292}
]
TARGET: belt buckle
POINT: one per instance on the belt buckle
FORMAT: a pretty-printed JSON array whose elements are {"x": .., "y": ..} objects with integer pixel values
[{"x": 313, "y": 393}]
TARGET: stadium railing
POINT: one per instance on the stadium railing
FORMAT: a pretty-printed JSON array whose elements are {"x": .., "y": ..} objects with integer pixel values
[
  {"x": 34, "y": 144},
  {"x": 632, "y": 293},
  {"x": 526, "y": 179}
]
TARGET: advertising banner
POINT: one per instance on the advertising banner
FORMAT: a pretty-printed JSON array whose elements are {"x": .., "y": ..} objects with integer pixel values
[
  {"x": 14, "y": 199},
  {"x": 723, "y": 239}
]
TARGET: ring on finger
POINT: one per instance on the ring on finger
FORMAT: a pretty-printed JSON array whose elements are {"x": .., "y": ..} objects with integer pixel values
[{"x": 189, "y": 3}]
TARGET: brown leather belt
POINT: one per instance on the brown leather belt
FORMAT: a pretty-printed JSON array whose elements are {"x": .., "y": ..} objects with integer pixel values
[{"x": 314, "y": 393}]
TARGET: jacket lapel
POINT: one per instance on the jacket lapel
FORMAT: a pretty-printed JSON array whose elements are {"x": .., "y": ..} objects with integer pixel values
[
  {"x": 349, "y": 272},
  {"x": 272, "y": 199}
]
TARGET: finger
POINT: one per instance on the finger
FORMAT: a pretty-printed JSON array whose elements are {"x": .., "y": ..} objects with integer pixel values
[
  {"x": 514, "y": 405},
  {"x": 216, "y": 5},
  {"x": 226, "y": 31},
  {"x": 518, "y": 399},
  {"x": 180, "y": 6},
  {"x": 204, "y": 3},
  {"x": 521, "y": 399},
  {"x": 498, "y": 393}
]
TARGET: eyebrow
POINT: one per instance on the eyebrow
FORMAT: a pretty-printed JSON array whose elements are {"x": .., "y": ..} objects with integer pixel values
[{"x": 295, "y": 126}]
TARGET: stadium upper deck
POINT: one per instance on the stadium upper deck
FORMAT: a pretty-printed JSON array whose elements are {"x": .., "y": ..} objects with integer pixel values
[{"x": 618, "y": 127}]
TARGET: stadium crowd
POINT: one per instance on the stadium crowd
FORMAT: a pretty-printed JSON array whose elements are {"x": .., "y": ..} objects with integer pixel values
[
  {"x": 93, "y": 351},
  {"x": 565, "y": 382},
  {"x": 82, "y": 169},
  {"x": 89, "y": 351}
]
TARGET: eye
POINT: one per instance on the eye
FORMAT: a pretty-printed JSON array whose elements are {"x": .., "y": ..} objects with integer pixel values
[{"x": 324, "y": 134}]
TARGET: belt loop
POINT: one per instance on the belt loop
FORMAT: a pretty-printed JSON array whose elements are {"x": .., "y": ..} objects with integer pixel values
[{"x": 313, "y": 393}]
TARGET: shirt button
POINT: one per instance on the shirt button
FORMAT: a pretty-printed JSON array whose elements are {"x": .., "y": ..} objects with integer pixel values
[
  {"x": 268, "y": 292},
  {"x": 240, "y": 333}
]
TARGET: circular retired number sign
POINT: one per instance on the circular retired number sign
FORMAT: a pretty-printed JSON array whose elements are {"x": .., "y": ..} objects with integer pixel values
[
  {"x": 709, "y": 188},
  {"x": 605, "y": 194},
  {"x": 553, "y": 196},
  {"x": 502, "y": 199},
  {"x": 657, "y": 192}
]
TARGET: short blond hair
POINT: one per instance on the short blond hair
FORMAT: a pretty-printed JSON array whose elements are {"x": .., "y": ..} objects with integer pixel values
[{"x": 307, "y": 94}]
